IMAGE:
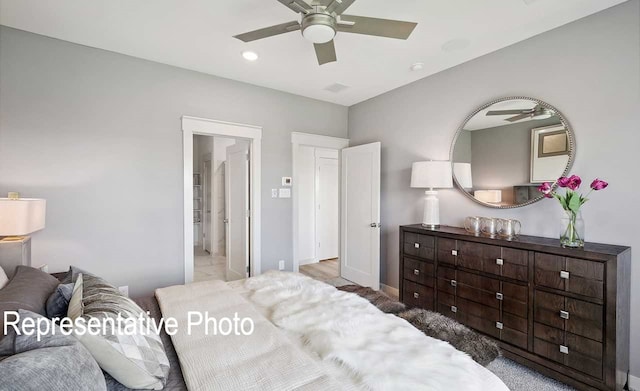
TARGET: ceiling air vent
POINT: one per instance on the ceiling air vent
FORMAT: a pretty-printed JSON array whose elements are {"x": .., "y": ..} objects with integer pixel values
[{"x": 336, "y": 88}]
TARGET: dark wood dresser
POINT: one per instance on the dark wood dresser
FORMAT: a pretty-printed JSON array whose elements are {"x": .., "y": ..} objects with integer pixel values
[{"x": 562, "y": 312}]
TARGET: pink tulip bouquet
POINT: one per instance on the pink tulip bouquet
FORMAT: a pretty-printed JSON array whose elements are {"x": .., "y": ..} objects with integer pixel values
[{"x": 572, "y": 233}]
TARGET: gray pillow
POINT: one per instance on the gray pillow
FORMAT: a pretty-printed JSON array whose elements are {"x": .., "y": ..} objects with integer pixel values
[
  {"x": 56, "y": 362},
  {"x": 72, "y": 274},
  {"x": 29, "y": 290},
  {"x": 58, "y": 302}
]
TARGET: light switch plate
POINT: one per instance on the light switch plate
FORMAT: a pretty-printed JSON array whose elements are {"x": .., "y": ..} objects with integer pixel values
[
  {"x": 274, "y": 193},
  {"x": 281, "y": 264},
  {"x": 285, "y": 193}
]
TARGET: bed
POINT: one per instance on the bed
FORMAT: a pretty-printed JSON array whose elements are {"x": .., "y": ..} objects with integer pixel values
[{"x": 305, "y": 335}]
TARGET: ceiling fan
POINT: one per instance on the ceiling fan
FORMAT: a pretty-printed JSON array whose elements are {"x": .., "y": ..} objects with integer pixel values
[
  {"x": 538, "y": 112},
  {"x": 322, "y": 19}
]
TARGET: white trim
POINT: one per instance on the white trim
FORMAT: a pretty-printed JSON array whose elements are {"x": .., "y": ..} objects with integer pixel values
[
  {"x": 389, "y": 290},
  {"x": 312, "y": 140},
  {"x": 209, "y": 127},
  {"x": 634, "y": 383}
]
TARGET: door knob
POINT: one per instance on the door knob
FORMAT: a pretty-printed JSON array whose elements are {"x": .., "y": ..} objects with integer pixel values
[
  {"x": 225, "y": 221},
  {"x": 374, "y": 225}
]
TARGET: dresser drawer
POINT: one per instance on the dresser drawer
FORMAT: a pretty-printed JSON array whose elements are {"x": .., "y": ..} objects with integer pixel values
[
  {"x": 419, "y": 272},
  {"x": 481, "y": 257},
  {"x": 573, "y": 275},
  {"x": 515, "y": 264},
  {"x": 574, "y": 351},
  {"x": 480, "y": 317},
  {"x": 447, "y": 250},
  {"x": 575, "y": 316},
  {"x": 418, "y": 245},
  {"x": 416, "y": 295}
]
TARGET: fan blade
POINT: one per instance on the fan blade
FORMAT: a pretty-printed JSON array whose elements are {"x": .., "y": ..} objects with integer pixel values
[
  {"x": 326, "y": 52},
  {"x": 508, "y": 112},
  {"x": 519, "y": 117},
  {"x": 297, "y": 6},
  {"x": 378, "y": 27},
  {"x": 268, "y": 31},
  {"x": 339, "y": 6}
]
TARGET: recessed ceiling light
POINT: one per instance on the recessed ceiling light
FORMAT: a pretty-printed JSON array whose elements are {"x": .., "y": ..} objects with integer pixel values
[
  {"x": 417, "y": 66},
  {"x": 250, "y": 56},
  {"x": 455, "y": 45}
]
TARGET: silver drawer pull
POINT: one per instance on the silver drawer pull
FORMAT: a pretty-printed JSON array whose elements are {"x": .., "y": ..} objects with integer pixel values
[
  {"x": 499, "y": 325},
  {"x": 454, "y": 308},
  {"x": 564, "y": 314},
  {"x": 499, "y": 296},
  {"x": 564, "y": 274},
  {"x": 416, "y": 272},
  {"x": 416, "y": 245},
  {"x": 499, "y": 261},
  {"x": 454, "y": 253},
  {"x": 564, "y": 349},
  {"x": 454, "y": 283},
  {"x": 416, "y": 295}
]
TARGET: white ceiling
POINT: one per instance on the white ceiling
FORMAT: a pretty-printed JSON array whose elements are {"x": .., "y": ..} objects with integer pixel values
[{"x": 197, "y": 35}]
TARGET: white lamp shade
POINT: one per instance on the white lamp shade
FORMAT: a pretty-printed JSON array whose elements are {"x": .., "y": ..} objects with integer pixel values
[
  {"x": 431, "y": 175},
  {"x": 22, "y": 216},
  {"x": 462, "y": 172},
  {"x": 490, "y": 196}
]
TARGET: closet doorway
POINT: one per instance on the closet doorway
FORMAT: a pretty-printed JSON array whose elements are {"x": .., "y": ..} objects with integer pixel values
[{"x": 316, "y": 197}]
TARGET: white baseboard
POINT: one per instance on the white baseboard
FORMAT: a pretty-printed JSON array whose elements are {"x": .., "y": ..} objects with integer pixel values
[
  {"x": 634, "y": 383},
  {"x": 389, "y": 290}
]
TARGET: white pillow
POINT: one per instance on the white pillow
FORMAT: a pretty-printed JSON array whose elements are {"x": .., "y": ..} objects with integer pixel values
[{"x": 3, "y": 278}]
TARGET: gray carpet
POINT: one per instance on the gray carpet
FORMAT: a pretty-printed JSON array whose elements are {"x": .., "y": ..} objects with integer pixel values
[{"x": 520, "y": 378}]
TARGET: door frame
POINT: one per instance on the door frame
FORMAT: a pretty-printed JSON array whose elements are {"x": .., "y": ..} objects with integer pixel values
[
  {"x": 207, "y": 183},
  {"x": 209, "y": 127},
  {"x": 310, "y": 140}
]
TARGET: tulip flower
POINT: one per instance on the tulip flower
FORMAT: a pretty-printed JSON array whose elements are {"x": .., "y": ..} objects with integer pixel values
[
  {"x": 563, "y": 182},
  {"x": 598, "y": 184},
  {"x": 574, "y": 182}
]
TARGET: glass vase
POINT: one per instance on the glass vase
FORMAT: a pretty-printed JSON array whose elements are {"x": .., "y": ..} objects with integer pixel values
[{"x": 572, "y": 230}]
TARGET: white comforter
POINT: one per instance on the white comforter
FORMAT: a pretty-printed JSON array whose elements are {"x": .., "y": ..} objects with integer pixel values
[
  {"x": 325, "y": 339},
  {"x": 383, "y": 351}
]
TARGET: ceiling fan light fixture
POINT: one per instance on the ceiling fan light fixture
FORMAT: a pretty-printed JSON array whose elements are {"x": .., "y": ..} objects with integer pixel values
[{"x": 319, "y": 28}]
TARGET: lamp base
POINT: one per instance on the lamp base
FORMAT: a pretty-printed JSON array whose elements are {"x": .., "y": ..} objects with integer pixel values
[
  {"x": 431, "y": 226},
  {"x": 431, "y": 216}
]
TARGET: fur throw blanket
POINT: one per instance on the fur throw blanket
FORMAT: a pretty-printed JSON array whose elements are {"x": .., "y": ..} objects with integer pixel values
[
  {"x": 482, "y": 349},
  {"x": 383, "y": 351}
]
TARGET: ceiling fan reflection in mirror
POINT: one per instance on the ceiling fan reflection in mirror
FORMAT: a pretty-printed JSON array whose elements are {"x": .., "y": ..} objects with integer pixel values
[
  {"x": 538, "y": 112},
  {"x": 321, "y": 20}
]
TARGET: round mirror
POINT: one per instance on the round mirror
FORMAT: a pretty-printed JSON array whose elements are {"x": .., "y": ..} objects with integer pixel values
[{"x": 505, "y": 149}]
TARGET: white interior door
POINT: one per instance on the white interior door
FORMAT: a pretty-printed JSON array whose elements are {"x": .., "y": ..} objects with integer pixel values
[
  {"x": 237, "y": 211},
  {"x": 327, "y": 207},
  {"x": 208, "y": 205},
  {"x": 360, "y": 200}
]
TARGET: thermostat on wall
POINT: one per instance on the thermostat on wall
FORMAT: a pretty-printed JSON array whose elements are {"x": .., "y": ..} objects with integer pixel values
[{"x": 286, "y": 181}]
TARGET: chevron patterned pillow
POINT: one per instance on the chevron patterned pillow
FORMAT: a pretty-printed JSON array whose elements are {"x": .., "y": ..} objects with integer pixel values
[{"x": 137, "y": 360}]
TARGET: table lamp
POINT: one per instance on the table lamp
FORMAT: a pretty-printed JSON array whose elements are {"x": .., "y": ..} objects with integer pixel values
[
  {"x": 431, "y": 175},
  {"x": 19, "y": 217}
]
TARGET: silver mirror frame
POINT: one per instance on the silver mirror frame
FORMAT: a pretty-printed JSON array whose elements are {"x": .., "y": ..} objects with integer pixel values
[{"x": 563, "y": 119}]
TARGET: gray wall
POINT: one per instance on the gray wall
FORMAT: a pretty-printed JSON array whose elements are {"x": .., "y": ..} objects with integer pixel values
[
  {"x": 591, "y": 73},
  {"x": 502, "y": 156},
  {"x": 98, "y": 135}
]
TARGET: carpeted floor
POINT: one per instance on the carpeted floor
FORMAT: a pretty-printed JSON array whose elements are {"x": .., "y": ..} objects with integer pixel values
[{"x": 520, "y": 378}]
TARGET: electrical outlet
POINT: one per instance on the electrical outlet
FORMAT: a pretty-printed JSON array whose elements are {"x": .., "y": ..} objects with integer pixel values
[
  {"x": 281, "y": 264},
  {"x": 274, "y": 193},
  {"x": 124, "y": 290}
]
